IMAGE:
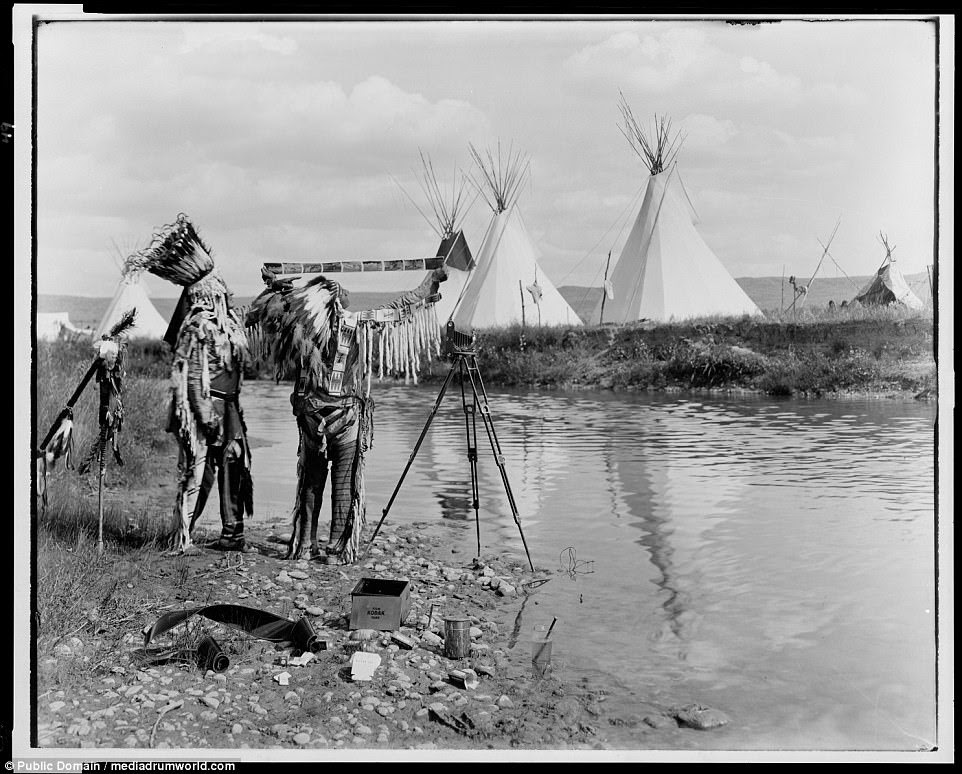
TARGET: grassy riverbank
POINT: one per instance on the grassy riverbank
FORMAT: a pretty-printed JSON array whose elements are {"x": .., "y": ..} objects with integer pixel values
[{"x": 884, "y": 351}]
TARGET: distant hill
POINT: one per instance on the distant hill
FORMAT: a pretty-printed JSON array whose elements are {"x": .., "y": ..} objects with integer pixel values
[
  {"x": 767, "y": 292},
  {"x": 86, "y": 312}
]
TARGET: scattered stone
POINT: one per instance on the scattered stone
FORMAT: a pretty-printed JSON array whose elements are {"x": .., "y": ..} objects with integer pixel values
[
  {"x": 302, "y": 738},
  {"x": 431, "y": 638},
  {"x": 475, "y": 633},
  {"x": 505, "y": 589},
  {"x": 313, "y": 610},
  {"x": 298, "y": 574},
  {"x": 211, "y": 701},
  {"x": 364, "y": 635},
  {"x": 292, "y": 697},
  {"x": 301, "y": 660},
  {"x": 700, "y": 717},
  {"x": 56, "y": 706},
  {"x": 237, "y": 728},
  {"x": 504, "y": 702},
  {"x": 660, "y": 721}
]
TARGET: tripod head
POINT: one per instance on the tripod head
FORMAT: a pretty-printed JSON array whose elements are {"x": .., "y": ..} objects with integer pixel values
[{"x": 456, "y": 342}]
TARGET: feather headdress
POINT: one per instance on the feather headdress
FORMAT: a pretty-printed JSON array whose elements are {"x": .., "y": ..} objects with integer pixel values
[
  {"x": 295, "y": 324},
  {"x": 176, "y": 253}
]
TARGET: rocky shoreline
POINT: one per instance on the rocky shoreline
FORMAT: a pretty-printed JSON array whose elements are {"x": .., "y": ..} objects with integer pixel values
[{"x": 272, "y": 696}]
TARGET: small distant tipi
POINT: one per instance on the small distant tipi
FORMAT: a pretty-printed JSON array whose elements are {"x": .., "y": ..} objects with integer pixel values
[
  {"x": 449, "y": 210},
  {"x": 665, "y": 270},
  {"x": 131, "y": 294},
  {"x": 507, "y": 287},
  {"x": 888, "y": 286}
]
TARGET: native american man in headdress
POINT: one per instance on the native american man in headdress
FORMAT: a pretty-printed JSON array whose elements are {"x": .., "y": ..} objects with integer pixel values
[
  {"x": 330, "y": 352},
  {"x": 210, "y": 349}
]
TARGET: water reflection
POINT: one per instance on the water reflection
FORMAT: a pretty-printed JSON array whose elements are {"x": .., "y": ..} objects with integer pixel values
[{"x": 735, "y": 544}]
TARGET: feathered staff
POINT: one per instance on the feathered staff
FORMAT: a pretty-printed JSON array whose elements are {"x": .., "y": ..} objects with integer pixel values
[
  {"x": 59, "y": 439},
  {"x": 109, "y": 365}
]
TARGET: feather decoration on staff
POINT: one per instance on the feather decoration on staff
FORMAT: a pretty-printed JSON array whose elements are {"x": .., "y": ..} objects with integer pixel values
[
  {"x": 111, "y": 361},
  {"x": 58, "y": 442}
]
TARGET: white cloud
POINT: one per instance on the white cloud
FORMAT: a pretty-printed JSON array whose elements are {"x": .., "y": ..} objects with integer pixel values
[
  {"x": 227, "y": 38},
  {"x": 703, "y": 131},
  {"x": 649, "y": 63}
]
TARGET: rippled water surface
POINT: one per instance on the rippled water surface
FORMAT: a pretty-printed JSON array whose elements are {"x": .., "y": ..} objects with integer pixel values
[{"x": 773, "y": 559}]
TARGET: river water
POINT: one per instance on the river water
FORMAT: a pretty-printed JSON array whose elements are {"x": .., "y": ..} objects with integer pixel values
[{"x": 774, "y": 559}]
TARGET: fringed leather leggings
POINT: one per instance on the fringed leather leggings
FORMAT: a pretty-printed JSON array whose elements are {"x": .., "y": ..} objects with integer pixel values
[
  {"x": 318, "y": 449},
  {"x": 223, "y": 464}
]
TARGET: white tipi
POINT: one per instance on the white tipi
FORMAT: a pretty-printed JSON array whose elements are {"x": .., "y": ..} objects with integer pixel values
[
  {"x": 448, "y": 207},
  {"x": 888, "y": 286},
  {"x": 665, "y": 270},
  {"x": 148, "y": 324},
  {"x": 508, "y": 287}
]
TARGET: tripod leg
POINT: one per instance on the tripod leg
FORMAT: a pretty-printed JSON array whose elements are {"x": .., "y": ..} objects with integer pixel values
[
  {"x": 414, "y": 451},
  {"x": 471, "y": 432},
  {"x": 481, "y": 397}
]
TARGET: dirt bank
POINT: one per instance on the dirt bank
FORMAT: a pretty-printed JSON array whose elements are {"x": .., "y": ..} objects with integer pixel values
[{"x": 94, "y": 689}]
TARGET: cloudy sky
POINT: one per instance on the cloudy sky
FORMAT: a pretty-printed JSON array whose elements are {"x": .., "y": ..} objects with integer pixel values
[{"x": 299, "y": 140}]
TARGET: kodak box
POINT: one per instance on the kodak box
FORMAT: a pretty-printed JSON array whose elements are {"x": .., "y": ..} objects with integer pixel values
[{"x": 380, "y": 604}]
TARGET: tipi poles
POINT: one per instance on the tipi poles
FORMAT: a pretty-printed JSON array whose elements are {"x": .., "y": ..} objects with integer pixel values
[{"x": 824, "y": 253}]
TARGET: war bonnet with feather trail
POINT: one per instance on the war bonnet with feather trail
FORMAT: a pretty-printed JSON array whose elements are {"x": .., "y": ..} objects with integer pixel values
[
  {"x": 203, "y": 319},
  {"x": 298, "y": 329}
]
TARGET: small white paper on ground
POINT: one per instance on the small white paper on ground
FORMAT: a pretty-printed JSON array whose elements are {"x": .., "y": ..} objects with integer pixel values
[
  {"x": 283, "y": 678},
  {"x": 363, "y": 665},
  {"x": 301, "y": 660}
]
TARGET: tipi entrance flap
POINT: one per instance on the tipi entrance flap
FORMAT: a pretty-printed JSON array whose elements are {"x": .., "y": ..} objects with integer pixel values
[{"x": 456, "y": 253}]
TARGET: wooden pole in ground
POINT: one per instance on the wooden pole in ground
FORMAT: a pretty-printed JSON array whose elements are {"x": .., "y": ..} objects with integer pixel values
[
  {"x": 604, "y": 289},
  {"x": 781, "y": 307},
  {"x": 102, "y": 470},
  {"x": 521, "y": 292}
]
